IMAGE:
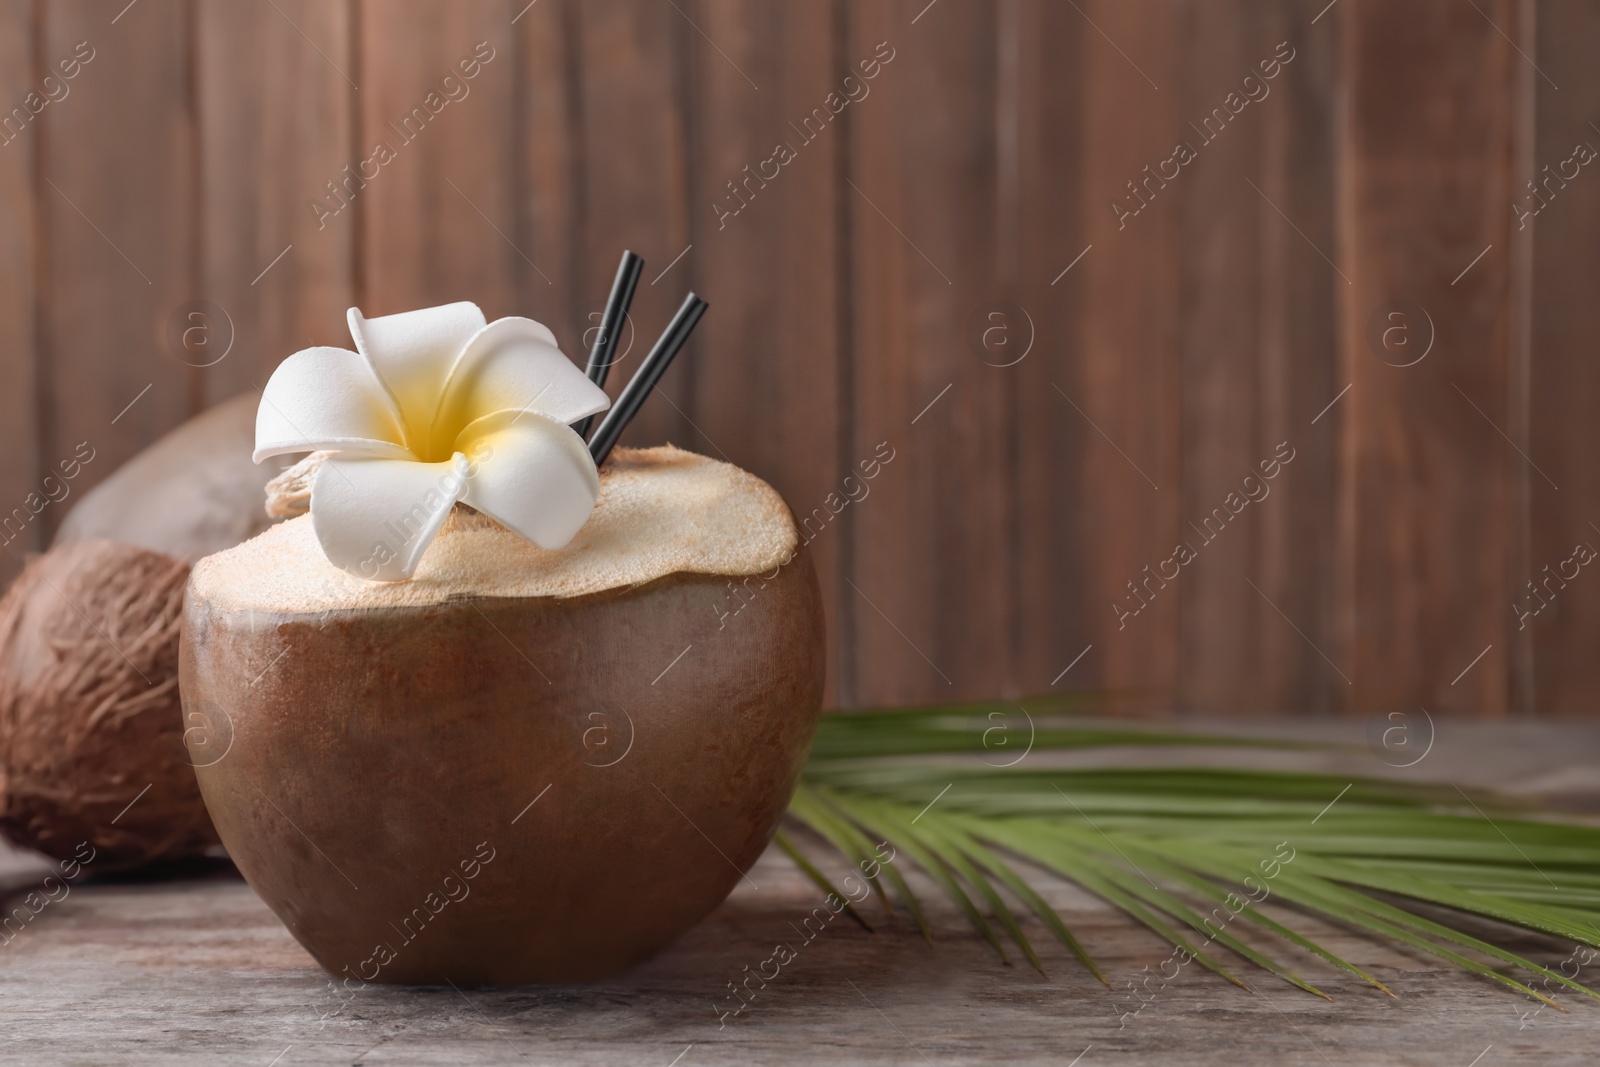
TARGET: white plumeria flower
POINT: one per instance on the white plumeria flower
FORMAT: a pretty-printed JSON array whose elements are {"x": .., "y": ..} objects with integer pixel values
[{"x": 436, "y": 406}]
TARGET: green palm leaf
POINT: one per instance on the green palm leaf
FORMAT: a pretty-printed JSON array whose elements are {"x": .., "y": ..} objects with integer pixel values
[{"x": 1176, "y": 848}]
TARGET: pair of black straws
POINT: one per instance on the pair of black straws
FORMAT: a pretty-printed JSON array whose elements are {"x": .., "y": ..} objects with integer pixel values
[{"x": 650, "y": 371}]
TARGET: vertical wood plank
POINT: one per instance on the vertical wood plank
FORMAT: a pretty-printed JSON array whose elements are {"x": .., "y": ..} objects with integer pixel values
[
  {"x": 19, "y": 426},
  {"x": 276, "y": 125},
  {"x": 1221, "y": 231},
  {"x": 930, "y": 582},
  {"x": 1256, "y": 339},
  {"x": 1122, "y": 394},
  {"x": 1430, "y": 483},
  {"x": 436, "y": 223},
  {"x": 636, "y": 166},
  {"x": 766, "y": 377},
  {"x": 1187, "y": 342},
  {"x": 1299, "y": 364},
  {"x": 118, "y": 231},
  {"x": 549, "y": 188},
  {"x": 1565, "y": 379},
  {"x": 1055, "y": 619}
]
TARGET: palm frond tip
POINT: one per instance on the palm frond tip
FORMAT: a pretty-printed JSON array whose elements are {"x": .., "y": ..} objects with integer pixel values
[{"x": 1186, "y": 850}]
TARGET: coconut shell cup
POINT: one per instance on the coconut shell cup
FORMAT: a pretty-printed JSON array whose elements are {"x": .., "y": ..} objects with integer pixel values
[{"x": 452, "y": 780}]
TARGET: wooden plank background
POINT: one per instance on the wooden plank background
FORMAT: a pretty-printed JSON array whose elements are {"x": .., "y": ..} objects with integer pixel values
[{"x": 1070, "y": 389}]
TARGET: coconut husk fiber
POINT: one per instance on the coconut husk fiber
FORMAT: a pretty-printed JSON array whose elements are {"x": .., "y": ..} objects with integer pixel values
[
  {"x": 89, "y": 712},
  {"x": 91, "y": 731}
]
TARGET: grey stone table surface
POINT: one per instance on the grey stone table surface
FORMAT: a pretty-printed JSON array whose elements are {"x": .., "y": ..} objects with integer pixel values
[{"x": 197, "y": 970}]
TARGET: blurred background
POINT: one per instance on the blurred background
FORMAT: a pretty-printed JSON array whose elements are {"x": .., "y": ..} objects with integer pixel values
[{"x": 1235, "y": 356}]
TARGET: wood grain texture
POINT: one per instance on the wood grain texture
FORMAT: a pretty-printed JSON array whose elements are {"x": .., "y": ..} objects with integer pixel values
[
  {"x": 234, "y": 988},
  {"x": 273, "y": 100},
  {"x": 1223, "y": 220},
  {"x": 1044, "y": 217},
  {"x": 1256, "y": 352},
  {"x": 550, "y": 176},
  {"x": 19, "y": 418},
  {"x": 436, "y": 223},
  {"x": 1298, "y": 363},
  {"x": 772, "y": 263},
  {"x": 1430, "y": 465},
  {"x": 1563, "y": 433},
  {"x": 119, "y": 233},
  {"x": 1125, "y": 389},
  {"x": 1014, "y": 528},
  {"x": 631, "y": 79},
  {"x": 929, "y": 580}
]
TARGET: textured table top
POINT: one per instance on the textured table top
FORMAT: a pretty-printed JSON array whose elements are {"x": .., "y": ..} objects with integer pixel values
[{"x": 197, "y": 970}]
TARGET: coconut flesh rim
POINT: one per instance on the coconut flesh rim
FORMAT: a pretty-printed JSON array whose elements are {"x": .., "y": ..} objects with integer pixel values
[{"x": 661, "y": 511}]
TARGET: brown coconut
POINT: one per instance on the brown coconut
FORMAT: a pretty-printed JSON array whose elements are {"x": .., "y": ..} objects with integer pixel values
[
  {"x": 90, "y": 725},
  {"x": 89, "y": 711},
  {"x": 191, "y": 493},
  {"x": 521, "y": 765}
]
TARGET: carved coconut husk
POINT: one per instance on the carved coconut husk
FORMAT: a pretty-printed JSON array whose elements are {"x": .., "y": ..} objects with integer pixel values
[
  {"x": 91, "y": 744},
  {"x": 521, "y": 765}
]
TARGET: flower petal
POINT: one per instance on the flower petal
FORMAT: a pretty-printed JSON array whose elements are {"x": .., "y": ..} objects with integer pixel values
[
  {"x": 375, "y": 517},
  {"x": 412, "y": 354},
  {"x": 325, "y": 398},
  {"x": 535, "y": 477},
  {"x": 513, "y": 364}
]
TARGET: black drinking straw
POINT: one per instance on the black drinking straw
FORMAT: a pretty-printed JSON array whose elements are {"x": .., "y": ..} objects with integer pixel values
[
  {"x": 645, "y": 378},
  {"x": 611, "y": 323}
]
